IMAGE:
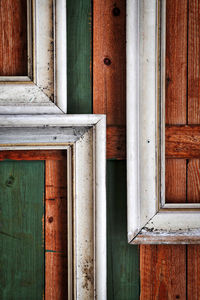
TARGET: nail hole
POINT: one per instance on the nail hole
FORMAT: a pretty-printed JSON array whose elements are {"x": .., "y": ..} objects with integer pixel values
[
  {"x": 148, "y": 141},
  {"x": 177, "y": 297},
  {"x": 116, "y": 11},
  {"x": 107, "y": 61},
  {"x": 50, "y": 219}
]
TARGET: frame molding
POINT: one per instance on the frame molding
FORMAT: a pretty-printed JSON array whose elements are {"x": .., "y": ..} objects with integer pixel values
[
  {"x": 84, "y": 138},
  {"x": 150, "y": 221},
  {"x": 44, "y": 90}
]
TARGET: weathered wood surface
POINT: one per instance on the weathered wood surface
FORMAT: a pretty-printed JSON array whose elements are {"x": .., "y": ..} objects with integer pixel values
[
  {"x": 79, "y": 56},
  {"x": 175, "y": 170},
  {"x": 163, "y": 272},
  {"x": 182, "y": 141},
  {"x": 194, "y": 62},
  {"x": 22, "y": 232},
  {"x": 109, "y": 68},
  {"x": 116, "y": 142},
  {"x": 13, "y": 38},
  {"x": 56, "y": 229},
  {"x": 33, "y": 155},
  {"x": 176, "y": 61},
  {"x": 123, "y": 262}
]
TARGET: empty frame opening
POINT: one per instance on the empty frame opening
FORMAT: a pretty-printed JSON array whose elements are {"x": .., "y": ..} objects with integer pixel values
[
  {"x": 33, "y": 237},
  {"x": 182, "y": 102}
]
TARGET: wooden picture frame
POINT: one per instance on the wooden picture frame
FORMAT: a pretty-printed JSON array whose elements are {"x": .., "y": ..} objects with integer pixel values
[
  {"x": 83, "y": 137},
  {"x": 150, "y": 219},
  {"x": 44, "y": 90}
]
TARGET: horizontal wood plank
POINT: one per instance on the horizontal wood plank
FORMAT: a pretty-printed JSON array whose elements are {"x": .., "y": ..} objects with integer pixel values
[
  {"x": 33, "y": 154},
  {"x": 116, "y": 142},
  {"x": 182, "y": 141}
]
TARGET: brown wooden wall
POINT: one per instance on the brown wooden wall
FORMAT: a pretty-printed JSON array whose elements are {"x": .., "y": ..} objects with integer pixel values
[{"x": 166, "y": 271}]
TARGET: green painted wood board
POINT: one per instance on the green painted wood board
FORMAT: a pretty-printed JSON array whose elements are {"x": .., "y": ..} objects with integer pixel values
[
  {"x": 21, "y": 230},
  {"x": 79, "y": 56},
  {"x": 123, "y": 259}
]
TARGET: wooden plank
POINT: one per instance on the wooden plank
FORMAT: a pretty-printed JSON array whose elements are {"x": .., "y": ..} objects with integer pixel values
[
  {"x": 193, "y": 194},
  {"x": 109, "y": 54},
  {"x": 194, "y": 62},
  {"x": 182, "y": 141},
  {"x": 116, "y": 142},
  {"x": 193, "y": 272},
  {"x": 193, "y": 181},
  {"x": 176, "y": 62},
  {"x": 175, "y": 181},
  {"x": 33, "y": 154},
  {"x": 79, "y": 56},
  {"x": 162, "y": 272},
  {"x": 13, "y": 38},
  {"x": 123, "y": 259},
  {"x": 21, "y": 235},
  {"x": 56, "y": 229}
]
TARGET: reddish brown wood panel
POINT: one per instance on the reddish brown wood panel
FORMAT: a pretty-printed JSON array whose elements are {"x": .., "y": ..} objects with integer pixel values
[
  {"x": 13, "y": 37},
  {"x": 182, "y": 141},
  {"x": 194, "y": 62},
  {"x": 175, "y": 180},
  {"x": 56, "y": 229},
  {"x": 109, "y": 70},
  {"x": 33, "y": 155},
  {"x": 162, "y": 272},
  {"x": 193, "y": 182},
  {"x": 116, "y": 143},
  {"x": 109, "y": 60},
  {"x": 193, "y": 272},
  {"x": 176, "y": 61}
]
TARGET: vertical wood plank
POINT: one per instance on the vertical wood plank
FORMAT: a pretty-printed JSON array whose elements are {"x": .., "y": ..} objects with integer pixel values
[
  {"x": 21, "y": 233},
  {"x": 109, "y": 56},
  {"x": 79, "y": 56},
  {"x": 176, "y": 61},
  {"x": 194, "y": 62},
  {"x": 175, "y": 181},
  {"x": 56, "y": 229},
  {"x": 193, "y": 181},
  {"x": 13, "y": 38},
  {"x": 123, "y": 262},
  {"x": 193, "y": 189},
  {"x": 193, "y": 272},
  {"x": 163, "y": 272}
]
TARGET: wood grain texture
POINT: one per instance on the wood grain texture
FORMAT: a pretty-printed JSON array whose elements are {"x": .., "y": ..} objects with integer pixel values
[
  {"x": 194, "y": 62},
  {"x": 13, "y": 38},
  {"x": 162, "y": 272},
  {"x": 56, "y": 229},
  {"x": 79, "y": 56},
  {"x": 182, "y": 141},
  {"x": 116, "y": 142},
  {"x": 175, "y": 181},
  {"x": 109, "y": 55},
  {"x": 21, "y": 233},
  {"x": 33, "y": 155},
  {"x": 193, "y": 272},
  {"x": 176, "y": 62},
  {"x": 193, "y": 182},
  {"x": 123, "y": 259}
]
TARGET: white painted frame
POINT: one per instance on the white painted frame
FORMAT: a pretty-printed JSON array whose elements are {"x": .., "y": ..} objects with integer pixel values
[
  {"x": 84, "y": 138},
  {"x": 44, "y": 90},
  {"x": 150, "y": 220}
]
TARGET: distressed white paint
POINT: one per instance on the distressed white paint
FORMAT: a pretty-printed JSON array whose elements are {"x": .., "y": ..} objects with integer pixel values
[
  {"x": 49, "y": 64},
  {"x": 147, "y": 223},
  {"x": 86, "y": 136}
]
